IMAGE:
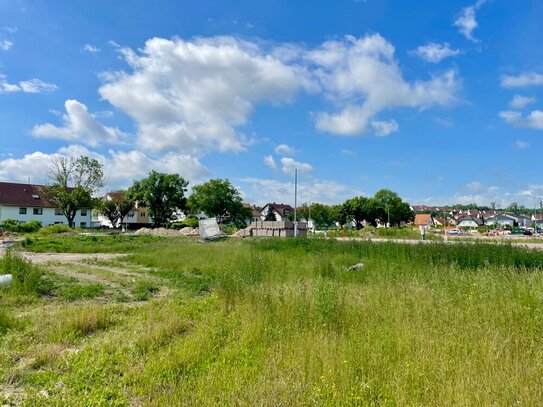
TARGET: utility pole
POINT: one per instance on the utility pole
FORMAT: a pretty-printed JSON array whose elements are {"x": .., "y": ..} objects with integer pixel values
[{"x": 295, "y": 201}]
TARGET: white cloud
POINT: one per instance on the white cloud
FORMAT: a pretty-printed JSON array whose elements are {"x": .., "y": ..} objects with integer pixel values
[
  {"x": 346, "y": 151},
  {"x": 519, "y": 101},
  {"x": 523, "y": 80},
  {"x": 290, "y": 164},
  {"x": 79, "y": 125},
  {"x": 284, "y": 149},
  {"x": 28, "y": 86},
  {"x": 466, "y": 21},
  {"x": 435, "y": 52},
  {"x": 474, "y": 186},
  {"x": 262, "y": 191},
  {"x": 521, "y": 145},
  {"x": 91, "y": 48},
  {"x": 527, "y": 195},
  {"x": 534, "y": 120},
  {"x": 192, "y": 95},
  {"x": 11, "y": 30},
  {"x": 384, "y": 128},
  {"x": 270, "y": 162},
  {"x": 120, "y": 168},
  {"x": 364, "y": 69},
  {"x": 5, "y": 45}
]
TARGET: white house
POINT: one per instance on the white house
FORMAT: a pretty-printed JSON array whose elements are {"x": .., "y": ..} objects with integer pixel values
[
  {"x": 136, "y": 218},
  {"x": 281, "y": 211},
  {"x": 469, "y": 221},
  {"x": 25, "y": 202}
]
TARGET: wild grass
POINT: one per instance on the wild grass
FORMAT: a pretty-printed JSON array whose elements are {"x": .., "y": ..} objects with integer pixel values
[{"x": 284, "y": 322}]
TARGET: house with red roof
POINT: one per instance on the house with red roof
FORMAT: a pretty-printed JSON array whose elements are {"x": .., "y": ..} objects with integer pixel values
[{"x": 27, "y": 202}]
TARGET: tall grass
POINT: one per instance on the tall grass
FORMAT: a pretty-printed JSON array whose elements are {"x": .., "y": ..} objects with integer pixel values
[{"x": 284, "y": 322}]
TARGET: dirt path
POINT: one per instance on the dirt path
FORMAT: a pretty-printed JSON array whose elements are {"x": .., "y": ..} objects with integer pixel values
[{"x": 42, "y": 258}]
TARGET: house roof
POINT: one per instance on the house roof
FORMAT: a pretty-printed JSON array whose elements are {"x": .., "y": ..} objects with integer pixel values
[
  {"x": 116, "y": 196},
  {"x": 423, "y": 219},
  {"x": 23, "y": 195},
  {"x": 280, "y": 208},
  {"x": 472, "y": 218},
  {"x": 254, "y": 212}
]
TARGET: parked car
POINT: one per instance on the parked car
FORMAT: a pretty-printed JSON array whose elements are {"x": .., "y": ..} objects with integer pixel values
[
  {"x": 453, "y": 231},
  {"x": 520, "y": 231}
]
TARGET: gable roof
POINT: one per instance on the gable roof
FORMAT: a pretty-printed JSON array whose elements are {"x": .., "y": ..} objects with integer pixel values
[
  {"x": 423, "y": 219},
  {"x": 115, "y": 196},
  {"x": 468, "y": 218},
  {"x": 23, "y": 195},
  {"x": 279, "y": 208}
]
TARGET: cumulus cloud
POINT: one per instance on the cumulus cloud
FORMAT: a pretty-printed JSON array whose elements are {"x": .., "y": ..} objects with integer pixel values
[
  {"x": 5, "y": 45},
  {"x": 193, "y": 95},
  {"x": 474, "y": 186},
  {"x": 522, "y": 80},
  {"x": 29, "y": 86},
  {"x": 284, "y": 149},
  {"x": 79, "y": 125},
  {"x": 527, "y": 195},
  {"x": 434, "y": 52},
  {"x": 466, "y": 21},
  {"x": 384, "y": 128},
  {"x": 289, "y": 165},
  {"x": 91, "y": 48},
  {"x": 533, "y": 120},
  {"x": 362, "y": 75},
  {"x": 521, "y": 145},
  {"x": 262, "y": 191},
  {"x": 120, "y": 167},
  {"x": 10, "y": 29},
  {"x": 519, "y": 101},
  {"x": 270, "y": 162}
]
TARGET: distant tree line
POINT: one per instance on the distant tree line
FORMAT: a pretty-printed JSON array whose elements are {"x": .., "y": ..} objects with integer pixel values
[{"x": 75, "y": 180}]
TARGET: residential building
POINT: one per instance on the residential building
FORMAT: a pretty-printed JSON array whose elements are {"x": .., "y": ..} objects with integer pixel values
[
  {"x": 424, "y": 219},
  {"x": 26, "y": 202},
  {"x": 470, "y": 221},
  {"x": 138, "y": 217},
  {"x": 282, "y": 212}
]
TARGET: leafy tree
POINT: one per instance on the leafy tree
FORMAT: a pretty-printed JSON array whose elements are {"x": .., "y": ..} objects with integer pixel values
[
  {"x": 115, "y": 209},
  {"x": 162, "y": 193},
  {"x": 270, "y": 216},
  {"x": 390, "y": 206},
  {"x": 218, "y": 198},
  {"x": 74, "y": 182},
  {"x": 357, "y": 209}
]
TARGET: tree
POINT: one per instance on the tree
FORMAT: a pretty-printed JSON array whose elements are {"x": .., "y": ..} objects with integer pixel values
[
  {"x": 270, "y": 216},
  {"x": 218, "y": 198},
  {"x": 356, "y": 209},
  {"x": 162, "y": 193},
  {"x": 74, "y": 182},
  {"x": 391, "y": 208},
  {"x": 116, "y": 208}
]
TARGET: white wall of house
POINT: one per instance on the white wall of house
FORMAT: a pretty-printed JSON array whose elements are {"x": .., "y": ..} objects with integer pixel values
[
  {"x": 467, "y": 224},
  {"x": 500, "y": 222},
  {"x": 47, "y": 216}
]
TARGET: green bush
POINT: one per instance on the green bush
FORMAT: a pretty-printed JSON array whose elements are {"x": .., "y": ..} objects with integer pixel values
[
  {"x": 55, "y": 229},
  {"x": 188, "y": 222},
  {"x": 12, "y": 225}
]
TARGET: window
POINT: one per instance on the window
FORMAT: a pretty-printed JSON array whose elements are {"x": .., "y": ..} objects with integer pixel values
[
  {"x": 142, "y": 214},
  {"x": 22, "y": 211},
  {"x": 58, "y": 223},
  {"x": 83, "y": 212},
  {"x": 58, "y": 212},
  {"x": 37, "y": 211},
  {"x": 130, "y": 214},
  {"x": 34, "y": 196},
  {"x": 83, "y": 225}
]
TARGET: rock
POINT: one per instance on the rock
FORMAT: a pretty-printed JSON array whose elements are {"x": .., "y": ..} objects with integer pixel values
[
  {"x": 186, "y": 231},
  {"x": 357, "y": 266}
]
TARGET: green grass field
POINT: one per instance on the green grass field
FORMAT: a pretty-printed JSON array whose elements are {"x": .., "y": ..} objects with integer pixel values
[{"x": 271, "y": 323}]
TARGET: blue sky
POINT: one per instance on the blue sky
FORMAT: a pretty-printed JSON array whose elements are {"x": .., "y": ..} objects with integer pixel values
[{"x": 439, "y": 101}]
